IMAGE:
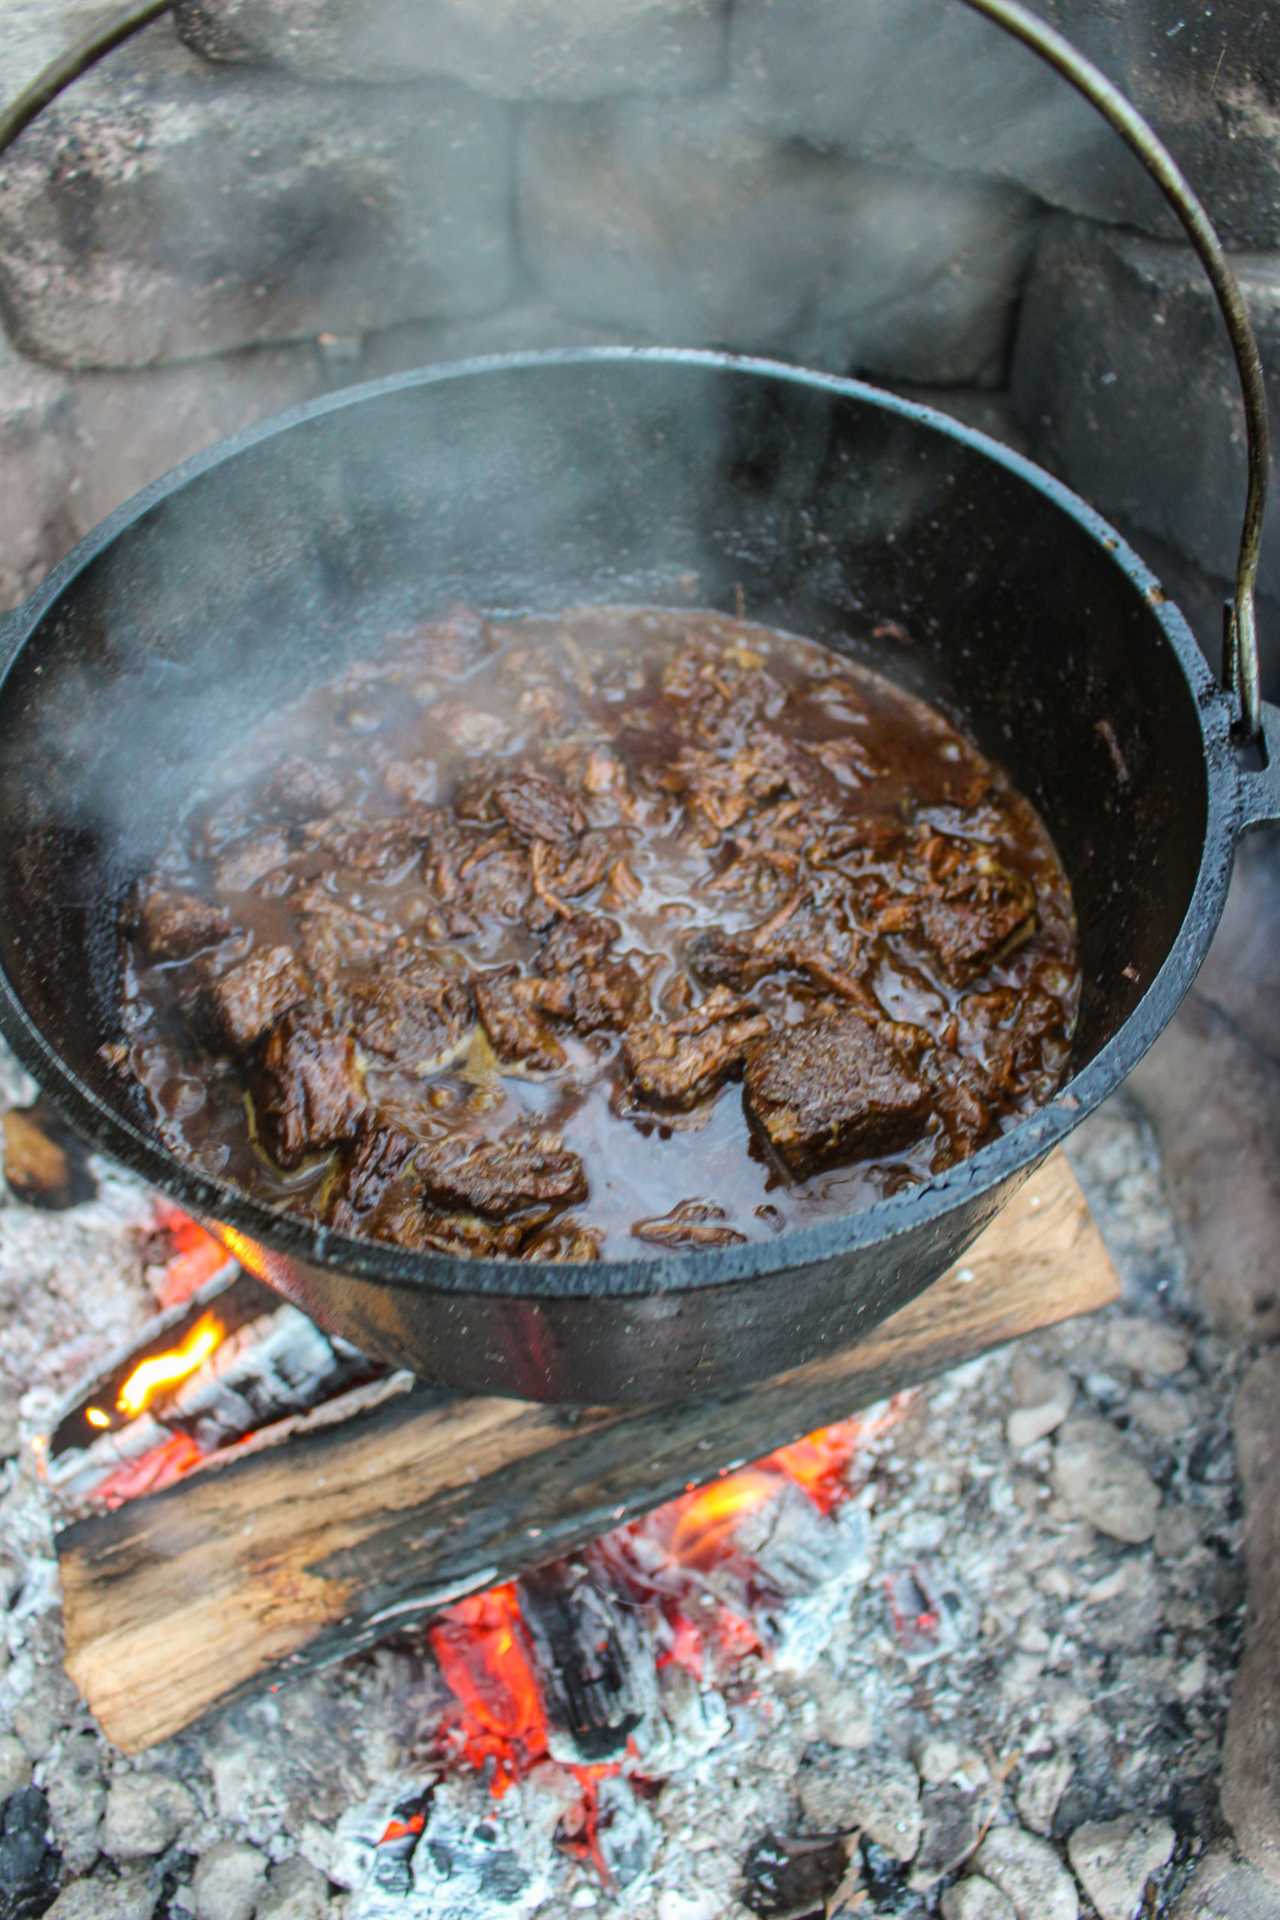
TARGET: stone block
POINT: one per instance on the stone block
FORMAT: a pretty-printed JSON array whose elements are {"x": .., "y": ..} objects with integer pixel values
[
  {"x": 686, "y": 222},
  {"x": 165, "y": 210},
  {"x": 515, "y": 49},
  {"x": 1124, "y": 379},
  {"x": 36, "y": 524},
  {"x": 928, "y": 81}
]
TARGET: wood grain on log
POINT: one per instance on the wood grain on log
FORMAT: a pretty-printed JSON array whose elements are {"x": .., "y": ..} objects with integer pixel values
[{"x": 283, "y": 1560}]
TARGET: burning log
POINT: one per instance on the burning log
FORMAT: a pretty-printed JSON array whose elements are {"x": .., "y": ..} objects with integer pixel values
[
  {"x": 297, "y": 1553},
  {"x": 44, "y": 1163}
]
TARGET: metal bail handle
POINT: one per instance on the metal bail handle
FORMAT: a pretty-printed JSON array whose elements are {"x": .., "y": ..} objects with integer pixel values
[
  {"x": 1240, "y": 666},
  {"x": 1241, "y": 661}
]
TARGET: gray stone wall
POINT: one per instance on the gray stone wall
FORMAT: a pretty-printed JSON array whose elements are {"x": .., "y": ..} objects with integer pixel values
[{"x": 259, "y": 200}]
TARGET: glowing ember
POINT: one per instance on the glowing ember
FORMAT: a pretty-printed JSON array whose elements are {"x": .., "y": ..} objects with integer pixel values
[
  {"x": 485, "y": 1659},
  {"x": 197, "y": 1256},
  {"x": 706, "y": 1521},
  {"x": 176, "y": 1457},
  {"x": 96, "y": 1417},
  {"x": 167, "y": 1369}
]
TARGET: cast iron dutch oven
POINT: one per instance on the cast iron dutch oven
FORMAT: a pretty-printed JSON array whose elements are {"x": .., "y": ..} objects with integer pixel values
[{"x": 538, "y": 481}]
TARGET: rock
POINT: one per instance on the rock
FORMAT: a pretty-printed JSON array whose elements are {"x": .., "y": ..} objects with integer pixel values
[
  {"x": 517, "y": 49},
  {"x": 1224, "y": 1888},
  {"x": 295, "y": 1891},
  {"x": 876, "y": 1792},
  {"x": 163, "y": 213},
  {"x": 925, "y": 83},
  {"x": 1251, "y": 1759},
  {"x": 1044, "y": 1395},
  {"x": 1114, "y": 1859},
  {"x": 28, "y": 1860},
  {"x": 1146, "y": 1346},
  {"x": 950, "y": 1818},
  {"x": 689, "y": 224},
  {"x": 1042, "y": 1781},
  {"x": 37, "y": 1724},
  {"x": 1102, "y": 1482},
  {"x": 1221, "y": 1170},
  {"x": 227, "y": 1881},
  {"x": 77, "y": 1794},
  {"x": 1029, "y": 1873},
  {"x": 1164, "y": 1415},
  {"x": 15, "y": 1765},
  {"x": 1177, "y": 1534},
  {"x": 976, "y": 1899},
  {"x": 130, "y": 1897},
  {"x": 146, "y": 1812},
  {"x": 1117, "y": 332}
]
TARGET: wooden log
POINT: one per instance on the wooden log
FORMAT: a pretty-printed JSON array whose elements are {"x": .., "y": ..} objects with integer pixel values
[{"x": 185, "y": 1600}]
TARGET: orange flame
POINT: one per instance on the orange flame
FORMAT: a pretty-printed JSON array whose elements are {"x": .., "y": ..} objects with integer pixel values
[
  {"x": 707, "y": 1520},
  {"x": 166, "y": 1369},
  {"x": 485, "y": 1659}
]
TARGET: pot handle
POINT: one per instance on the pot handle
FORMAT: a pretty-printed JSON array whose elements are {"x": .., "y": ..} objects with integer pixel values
[
  {"x": 1240, "y": 653},
  {"x": 1240, "y": 663},
  {"x": 1260, "y": 785}
]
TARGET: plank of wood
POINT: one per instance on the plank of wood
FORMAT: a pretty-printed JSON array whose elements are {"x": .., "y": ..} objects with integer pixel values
[{"x": 183, "y": 1601}]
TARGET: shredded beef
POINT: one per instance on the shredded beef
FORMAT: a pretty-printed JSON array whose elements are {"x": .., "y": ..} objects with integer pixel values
[
  {"x": 678, "y": 1062},
  {"x": 306, "y": 1089}
]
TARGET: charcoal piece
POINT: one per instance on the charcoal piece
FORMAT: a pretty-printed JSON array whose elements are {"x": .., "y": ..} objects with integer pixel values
[
  {"x": 245, "y": 862},
  {"x": 535, "y": 808},
  {"x": 828, "y": 1089},
  {"x": 566, "y": 1239},
  {"x": 510, "y": 1010},
  {"x": 301, "y": 789},
  {"x": 248, "y": 999},
  {"x": 417, "y": 1017},
  {"x": 679, "y": 1062},
  {"x": 306, "y": 1089},
  {"x": 175, "y": 924},
  {"x": 29, "y": 1863},
  {"x": 691, "y": 1223},
  {"x": 786, "y": 1879},
  {"x": 520, "y": 1170}
]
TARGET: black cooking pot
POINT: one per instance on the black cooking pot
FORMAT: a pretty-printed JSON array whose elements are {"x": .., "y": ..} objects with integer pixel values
[
  {"x": 877, "y": 526},
  {"x": 533, "y": 482}
]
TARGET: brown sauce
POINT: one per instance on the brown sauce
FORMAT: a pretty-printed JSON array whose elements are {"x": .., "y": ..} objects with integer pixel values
[{"x": 597, "y": 935}]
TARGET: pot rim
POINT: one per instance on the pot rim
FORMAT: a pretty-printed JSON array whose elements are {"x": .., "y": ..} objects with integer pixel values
[{"x": 1015, "y": 1152}]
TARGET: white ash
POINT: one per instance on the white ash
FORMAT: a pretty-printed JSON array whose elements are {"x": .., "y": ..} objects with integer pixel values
[{"x": 962, "y": 1624}]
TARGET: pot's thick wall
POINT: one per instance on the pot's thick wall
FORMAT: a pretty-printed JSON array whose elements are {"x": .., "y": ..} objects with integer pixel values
[{"x": 537, "y": 483}]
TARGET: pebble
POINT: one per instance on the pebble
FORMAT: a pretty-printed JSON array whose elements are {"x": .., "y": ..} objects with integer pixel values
[
  {"x": 1225, "y": 1888},
  {"x": 1146, "y": 1346},
  {"x": 37, "y": 1726},
  {"x": 1042, "y": 1781},
  {"x": 950, "y": 1820},
  {"x": 1177, "y": 1533},
  {"x": 15, "y": 1765},
  {"x": 77, "y": 1795},
  {"x": 1100, "y": 1481},
  {"x": 131, "y": 1897},
  {"x": 227, "y": 1881},
  {"x": 976, "y": 1899},
  {"x": 876, "y": 1792},
  {"x": 146, "y": 1812},
  {"x": 1044, "y": 1396},
  {"x": 295, "y": 1891},
  {"x": 1165, "y": 1414},
  {"x": 1114, "y": 1859},
  {"x": 1029, "y": 1874}
]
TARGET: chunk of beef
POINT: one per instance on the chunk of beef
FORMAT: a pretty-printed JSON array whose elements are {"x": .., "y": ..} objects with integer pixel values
[
  {"x": 372, "y": 1166},
  {"x": 719, "y": 958},
  {"x": 535, "y": 808},
  {"x": 570, "y": 874},
  {"x": 414, "y": 782},
  {"x": 679, "y": 1062},
  {"x": 407, "y": 1223},
  {"x": 245, "y": 862},
  {"x": 829, "y": 1089},
  {"x": 383, "y": 849},
  {"x": 611, "y": 995},
  {"x": 306, "y": 1088},
  {"x": 566, "y": 1239},
  {"x": 691, "y": 1223},
  {"x": 333, "y": 936},
  {"x": 417, "y": 1017},
  {"x": 511, "y": 1012},
  {"x": 303, "y": 789},
  {"x": 455, "y": 644},
  {"x": 471, "y": 729},
  {"x": 176, "y": 924},
  {"x": 582, "y": 941},
  {"x": 252, "y": 996},
  {"x": 970, "y": 930},
  {"x": 520, "y": 1170}
]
